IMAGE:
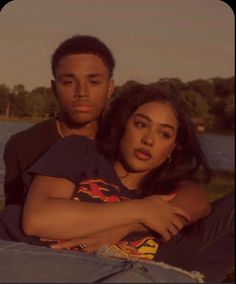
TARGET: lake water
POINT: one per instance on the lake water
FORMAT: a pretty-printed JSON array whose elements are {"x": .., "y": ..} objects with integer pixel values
[{"x": 220, "y": 149}]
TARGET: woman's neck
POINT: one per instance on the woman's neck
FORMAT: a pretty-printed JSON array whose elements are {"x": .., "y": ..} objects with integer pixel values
[{"x": 129, "y": 179}]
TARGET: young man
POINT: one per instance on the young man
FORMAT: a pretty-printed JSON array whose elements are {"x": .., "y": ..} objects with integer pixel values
[{"x": 82, "y": 67}]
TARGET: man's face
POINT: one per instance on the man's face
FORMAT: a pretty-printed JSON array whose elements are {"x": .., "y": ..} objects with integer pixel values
[{"x": 82, "y": 86}]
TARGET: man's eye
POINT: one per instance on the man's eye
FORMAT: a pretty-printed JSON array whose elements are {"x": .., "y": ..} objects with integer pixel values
[
  {"x": 93, "y": 82},
  {"x": 67, "y": 83}
]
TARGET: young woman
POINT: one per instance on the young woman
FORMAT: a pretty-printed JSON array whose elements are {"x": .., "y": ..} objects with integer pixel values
[{"x": 147, "y": 151}]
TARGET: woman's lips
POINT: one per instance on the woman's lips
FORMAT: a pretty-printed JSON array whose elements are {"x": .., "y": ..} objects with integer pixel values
[{"x": 142, "y": 154}]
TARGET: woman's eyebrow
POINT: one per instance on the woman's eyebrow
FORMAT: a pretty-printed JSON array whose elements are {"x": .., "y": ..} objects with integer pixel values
[
  {"x": 166, "y": 125},
  {"x": 143, "y": 116}
]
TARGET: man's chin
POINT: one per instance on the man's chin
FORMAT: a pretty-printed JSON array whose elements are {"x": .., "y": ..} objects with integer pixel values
[{"x": 78, "y": 121}]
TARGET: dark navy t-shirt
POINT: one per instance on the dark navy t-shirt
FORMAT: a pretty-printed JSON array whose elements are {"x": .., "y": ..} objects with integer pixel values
[{"x": 77, "y": 159}]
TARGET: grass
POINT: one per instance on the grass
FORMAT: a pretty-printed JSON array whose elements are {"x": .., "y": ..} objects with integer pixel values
[{"x": 222, "y": 182}]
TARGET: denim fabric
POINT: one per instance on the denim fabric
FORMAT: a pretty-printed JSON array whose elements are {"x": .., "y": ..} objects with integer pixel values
[{"x": 21, "y": 262}]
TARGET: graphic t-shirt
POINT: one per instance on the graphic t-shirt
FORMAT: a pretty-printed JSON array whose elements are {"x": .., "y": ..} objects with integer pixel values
[{"x": 77, "y": 159}]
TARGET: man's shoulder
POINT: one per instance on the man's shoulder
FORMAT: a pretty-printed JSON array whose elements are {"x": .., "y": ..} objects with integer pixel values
[
  {"x": 36, "y": 129},
  {"x": 38, "y": 132}
]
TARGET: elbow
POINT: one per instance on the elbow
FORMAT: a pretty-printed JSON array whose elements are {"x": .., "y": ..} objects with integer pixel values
[
  {"x": 31, "y": 225},
  {"x": 204, "y": 209},
  {"x": 207, "y": 209}
]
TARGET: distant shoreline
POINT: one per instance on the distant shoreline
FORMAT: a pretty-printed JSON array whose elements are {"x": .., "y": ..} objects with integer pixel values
[
  {"x": 22, "y": 119},
  {"x": 35, "y": 120}
]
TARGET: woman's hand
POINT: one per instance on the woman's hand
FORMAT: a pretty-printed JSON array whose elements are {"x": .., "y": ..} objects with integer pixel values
[{"x": 160, "y": 215}]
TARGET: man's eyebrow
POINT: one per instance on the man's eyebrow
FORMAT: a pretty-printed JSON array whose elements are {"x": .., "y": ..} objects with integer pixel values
[
  {"x": 71, "y": 75},
  {"x": 161, "y": 124},
  {"x": 95, "y": 75},
  {"x": 67, "y": 75}
]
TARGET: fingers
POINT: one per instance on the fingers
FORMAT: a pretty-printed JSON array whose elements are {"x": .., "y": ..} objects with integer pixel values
[
  {"x": 68, "y": 244},
  {"x": 168, "y": 197},
  {"x": 46, "y": 240},
  {"x": 81, "y": 244}
]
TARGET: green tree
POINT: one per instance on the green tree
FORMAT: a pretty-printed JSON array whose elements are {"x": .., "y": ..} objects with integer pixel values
[
  {"x": 19, "y": 101},
  {"x": 5, "y": 100}
]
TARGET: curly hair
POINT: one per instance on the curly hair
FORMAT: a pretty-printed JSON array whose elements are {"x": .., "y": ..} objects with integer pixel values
[
  {"x": 83, "y": 44},
  {"x": 188, "y": 158}
]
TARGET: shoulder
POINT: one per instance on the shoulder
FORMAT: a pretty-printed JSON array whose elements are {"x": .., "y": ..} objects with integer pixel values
[
  {"x": 36, "y": 129},
  {"x": 39, "y": 132}
]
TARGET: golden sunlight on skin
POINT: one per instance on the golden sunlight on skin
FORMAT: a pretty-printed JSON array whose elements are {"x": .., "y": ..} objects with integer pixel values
[{"x": 148, "y": 141}]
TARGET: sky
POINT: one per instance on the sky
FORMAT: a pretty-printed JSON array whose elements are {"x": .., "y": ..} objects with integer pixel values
[{"x": 150, "y": 39}]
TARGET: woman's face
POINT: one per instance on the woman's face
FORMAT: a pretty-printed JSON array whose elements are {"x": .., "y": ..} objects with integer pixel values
[{"x": 149, "y": 137}]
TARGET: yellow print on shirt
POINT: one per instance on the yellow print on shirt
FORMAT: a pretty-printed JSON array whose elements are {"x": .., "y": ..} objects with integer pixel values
[{"x": 145, "y": 248}]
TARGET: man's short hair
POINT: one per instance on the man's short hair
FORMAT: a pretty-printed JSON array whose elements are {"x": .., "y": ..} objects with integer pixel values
[{"x": 83, "y": 44}]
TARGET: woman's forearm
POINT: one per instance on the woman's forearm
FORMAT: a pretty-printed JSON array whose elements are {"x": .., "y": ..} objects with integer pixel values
[{"x": 65, "y": 218}]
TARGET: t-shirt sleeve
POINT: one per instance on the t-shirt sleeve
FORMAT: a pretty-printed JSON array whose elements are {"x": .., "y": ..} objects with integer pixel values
[{"x": 71, "y": 157}]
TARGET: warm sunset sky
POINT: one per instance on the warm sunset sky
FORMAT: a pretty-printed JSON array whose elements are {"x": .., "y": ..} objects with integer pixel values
[{"x": 150, "y": 39}]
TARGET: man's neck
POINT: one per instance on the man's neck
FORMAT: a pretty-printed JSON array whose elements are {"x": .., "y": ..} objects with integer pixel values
[{"x": 89, "y": 130}]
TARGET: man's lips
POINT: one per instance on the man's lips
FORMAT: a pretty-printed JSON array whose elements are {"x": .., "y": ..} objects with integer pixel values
[
  {"x": 82, "y": 106},
  {"x": 142, "y": 154}
]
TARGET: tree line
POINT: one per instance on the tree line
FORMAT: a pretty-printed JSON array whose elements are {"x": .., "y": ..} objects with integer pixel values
[{"x": 211, "y": 102}]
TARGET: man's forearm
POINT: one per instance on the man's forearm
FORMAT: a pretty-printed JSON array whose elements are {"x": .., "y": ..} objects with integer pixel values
[{"x": 191, "y": 197}]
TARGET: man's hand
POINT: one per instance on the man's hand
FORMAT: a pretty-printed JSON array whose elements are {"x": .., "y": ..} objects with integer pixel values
[{"x": 94, "y": 242}]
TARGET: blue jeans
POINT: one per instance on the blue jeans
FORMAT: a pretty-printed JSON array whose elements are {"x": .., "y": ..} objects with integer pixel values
[{"x": 22, "y": 262}]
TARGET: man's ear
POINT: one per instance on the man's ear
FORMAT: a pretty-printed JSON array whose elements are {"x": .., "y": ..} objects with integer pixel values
[
  {"x": 53, "y": 87},
  {"x": 111, "y": 88}
]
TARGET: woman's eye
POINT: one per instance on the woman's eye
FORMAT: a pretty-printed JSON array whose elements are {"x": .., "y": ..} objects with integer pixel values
[
  {"x": 165, "y": 135},
  {"x": 140, "y": 124}
]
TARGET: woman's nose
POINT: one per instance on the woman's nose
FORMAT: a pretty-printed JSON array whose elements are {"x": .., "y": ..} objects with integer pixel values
[{"x": 148, "y": 139}]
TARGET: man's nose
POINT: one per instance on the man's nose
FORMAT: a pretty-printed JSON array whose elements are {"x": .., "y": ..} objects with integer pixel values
[{"x": 81, "y": 90}]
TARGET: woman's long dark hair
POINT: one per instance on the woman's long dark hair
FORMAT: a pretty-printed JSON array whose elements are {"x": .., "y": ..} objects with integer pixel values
[{"x": 188, "y": 161}]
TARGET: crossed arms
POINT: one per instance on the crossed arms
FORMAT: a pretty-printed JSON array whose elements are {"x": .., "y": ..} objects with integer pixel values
[{"x": 52, "y": 214}]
